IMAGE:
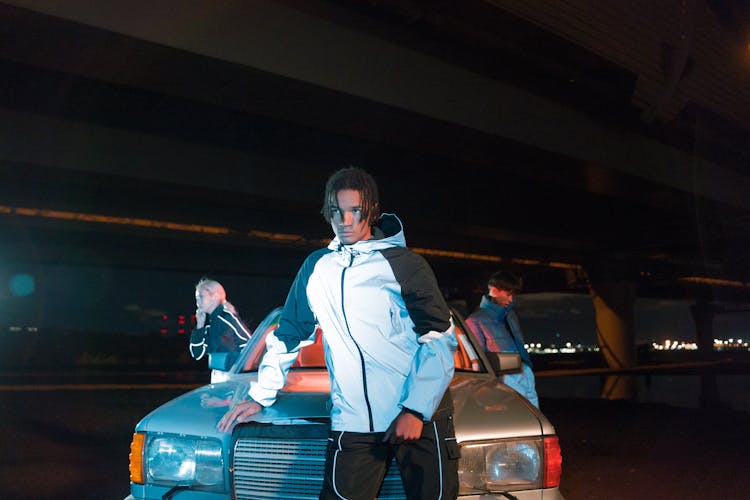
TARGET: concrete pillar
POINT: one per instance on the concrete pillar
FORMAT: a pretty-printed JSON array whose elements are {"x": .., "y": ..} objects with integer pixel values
[
  {"x": 703, "y": 315},
  {"x": 613, "y": 307}
]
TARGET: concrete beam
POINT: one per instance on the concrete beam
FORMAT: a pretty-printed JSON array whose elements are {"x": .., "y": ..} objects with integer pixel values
[
  {"x": 279, "y": 39},
  {"x": 27, "y": 138}
]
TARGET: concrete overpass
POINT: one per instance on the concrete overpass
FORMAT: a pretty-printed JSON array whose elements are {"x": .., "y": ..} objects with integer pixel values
[
  {"x": 489, "y": 133},
  {"x": 583, "y": 146}
]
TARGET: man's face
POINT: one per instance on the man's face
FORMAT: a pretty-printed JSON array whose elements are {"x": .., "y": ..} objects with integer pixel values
[
  {"x": 206, "y": 300},
  {"x": 502, "y": 298},
  {"x": 346, "y": 220}
]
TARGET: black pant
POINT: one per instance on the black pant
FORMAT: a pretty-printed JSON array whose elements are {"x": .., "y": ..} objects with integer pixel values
[{"x": 356, "y": 463}]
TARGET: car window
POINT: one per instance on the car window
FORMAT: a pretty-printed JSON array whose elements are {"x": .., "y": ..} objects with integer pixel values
[
  {"x": 465, "y": 358},
  {"x": 256, "y": 346}
]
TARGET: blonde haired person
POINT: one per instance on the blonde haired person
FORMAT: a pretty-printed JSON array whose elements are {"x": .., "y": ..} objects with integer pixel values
[{"x": 218, "y": 327}]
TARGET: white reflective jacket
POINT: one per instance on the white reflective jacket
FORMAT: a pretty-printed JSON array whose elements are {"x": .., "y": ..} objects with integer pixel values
[{"x": 387, "y": 331}]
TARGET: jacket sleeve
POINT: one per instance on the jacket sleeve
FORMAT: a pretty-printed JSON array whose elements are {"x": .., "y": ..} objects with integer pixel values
[
  {"x": 432, "y": 368},
  {"x": 431, "y": 372},
  {"x": 514, "y": 327},
  {"x": 475, "y": 325},
  {"x": 198, "y": 344},
  {"x": 296, "y": 330}
]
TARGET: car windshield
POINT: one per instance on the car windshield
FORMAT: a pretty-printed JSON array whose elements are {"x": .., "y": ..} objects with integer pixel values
[{"x": 312, "y": 356}]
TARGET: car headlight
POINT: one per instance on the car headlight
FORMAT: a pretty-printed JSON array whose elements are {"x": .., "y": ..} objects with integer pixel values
[
  {"x": 185, "y": 461},
  {"x": 500, "y": 466}
]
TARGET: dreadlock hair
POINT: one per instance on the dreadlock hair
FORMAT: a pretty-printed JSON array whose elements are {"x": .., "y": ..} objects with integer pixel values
[{"x": 358, "y": 180}]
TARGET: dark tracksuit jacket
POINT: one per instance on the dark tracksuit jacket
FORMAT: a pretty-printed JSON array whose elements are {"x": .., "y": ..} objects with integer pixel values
[{"x": 223, "y": 332}]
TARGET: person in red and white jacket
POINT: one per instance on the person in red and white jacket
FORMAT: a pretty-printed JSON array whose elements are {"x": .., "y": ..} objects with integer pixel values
[{"x": 497, "y": 327}]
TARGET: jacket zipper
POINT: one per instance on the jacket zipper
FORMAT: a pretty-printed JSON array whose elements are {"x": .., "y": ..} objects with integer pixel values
[{"x": 361, "y": 356}]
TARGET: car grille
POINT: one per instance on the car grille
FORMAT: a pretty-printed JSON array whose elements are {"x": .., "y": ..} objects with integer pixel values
[{"x": 288, "y": 462}]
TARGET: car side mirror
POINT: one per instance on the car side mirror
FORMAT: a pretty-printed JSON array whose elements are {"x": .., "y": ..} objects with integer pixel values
[
  {"x": 222, "y": 360},
  {"x": 505, "y": 362}
]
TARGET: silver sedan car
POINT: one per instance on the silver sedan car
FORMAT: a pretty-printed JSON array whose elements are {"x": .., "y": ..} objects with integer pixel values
[{"x": 508, "y": 447}]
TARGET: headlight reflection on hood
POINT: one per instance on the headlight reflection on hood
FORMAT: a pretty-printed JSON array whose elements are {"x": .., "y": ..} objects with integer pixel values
[
  {"x": 501, "y": 466},
  {"x": 173, "y": 460}
]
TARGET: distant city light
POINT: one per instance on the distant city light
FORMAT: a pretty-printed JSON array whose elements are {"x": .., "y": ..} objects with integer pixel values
[
  {"x": 17, "y": 329},
  {"x": 730, "y": 345},
  {"x": 667, "y": 345},
  {"x": 674, "y": 345},
  {"x": 568, "y": 348}
]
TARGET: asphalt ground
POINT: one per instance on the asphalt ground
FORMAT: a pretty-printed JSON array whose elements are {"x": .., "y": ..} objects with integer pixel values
[{"x": 66, "y": 444}]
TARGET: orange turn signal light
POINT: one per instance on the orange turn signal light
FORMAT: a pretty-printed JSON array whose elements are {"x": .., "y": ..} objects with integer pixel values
[{"x": 136, "y": 458}]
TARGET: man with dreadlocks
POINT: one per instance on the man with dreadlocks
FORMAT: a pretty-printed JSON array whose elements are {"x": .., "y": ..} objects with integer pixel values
[{"x": 389, "y": 345}]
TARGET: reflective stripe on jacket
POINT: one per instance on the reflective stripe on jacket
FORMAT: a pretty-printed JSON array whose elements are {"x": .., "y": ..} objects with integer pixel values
[
  {"x": 223, "y": 332},
  {"x": 387, "y": 333}
]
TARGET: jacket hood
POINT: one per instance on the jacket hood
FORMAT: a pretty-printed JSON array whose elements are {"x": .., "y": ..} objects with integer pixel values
[{"x": 387, "y": 233}]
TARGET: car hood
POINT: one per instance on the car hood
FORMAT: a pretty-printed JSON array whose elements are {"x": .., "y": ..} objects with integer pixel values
[
  {"x": 199, "y": 411},
  {"x": 484, "y": 408}
]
